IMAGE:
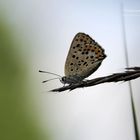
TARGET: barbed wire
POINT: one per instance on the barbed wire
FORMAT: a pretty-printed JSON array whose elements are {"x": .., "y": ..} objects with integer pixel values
[{"x": 129, "y": 74}]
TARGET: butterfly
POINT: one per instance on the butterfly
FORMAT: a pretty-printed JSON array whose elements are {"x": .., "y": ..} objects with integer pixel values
[{"x": 84, "y": 58}]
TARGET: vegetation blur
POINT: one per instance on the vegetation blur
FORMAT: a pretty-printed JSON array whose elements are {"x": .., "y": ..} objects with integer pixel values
[{"x": 15, "y": 121}]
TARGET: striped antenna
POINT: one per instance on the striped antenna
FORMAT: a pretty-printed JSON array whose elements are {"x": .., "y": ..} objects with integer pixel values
[
  {"x": 49, "y": 73},
  {"x": 52, "y": 74},
  {"x": 49, "y": 80}
]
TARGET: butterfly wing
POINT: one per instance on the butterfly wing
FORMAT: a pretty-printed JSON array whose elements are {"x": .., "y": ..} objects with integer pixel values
[{"x": 84, "y": 57}]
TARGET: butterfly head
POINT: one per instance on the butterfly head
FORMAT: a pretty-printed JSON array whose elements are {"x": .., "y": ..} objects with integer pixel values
[
  {"x": 71, "y": 79},
  {"x": 64, "y": 80}
]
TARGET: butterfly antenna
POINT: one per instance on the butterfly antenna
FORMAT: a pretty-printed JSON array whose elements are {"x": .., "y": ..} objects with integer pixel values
[
  {"x": 49, "y": 73},
  {"x": 49, "y": 80}
]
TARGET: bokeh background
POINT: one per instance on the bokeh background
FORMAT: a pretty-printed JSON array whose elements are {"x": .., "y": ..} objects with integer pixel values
[{"x": 36, "y": 34}]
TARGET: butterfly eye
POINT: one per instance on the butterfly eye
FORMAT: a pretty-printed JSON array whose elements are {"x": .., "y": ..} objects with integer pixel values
[{"x": 63, "y": 80}]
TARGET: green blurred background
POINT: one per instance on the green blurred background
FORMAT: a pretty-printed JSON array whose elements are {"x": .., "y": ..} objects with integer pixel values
[{"x": 17, "y": 109}]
